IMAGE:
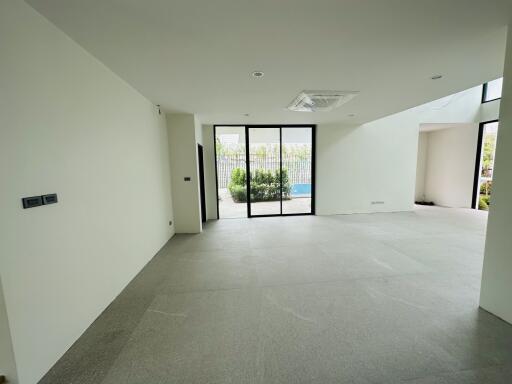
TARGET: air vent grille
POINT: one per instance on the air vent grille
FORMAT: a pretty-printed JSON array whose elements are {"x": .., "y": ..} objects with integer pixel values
[{"x": 320, "y": 101}]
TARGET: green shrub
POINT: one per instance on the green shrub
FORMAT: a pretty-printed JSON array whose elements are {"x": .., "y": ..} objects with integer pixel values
[
  {"x": 486, "y": 188},
  {"x": 237, "y": 185},
  {"x": 238, "y": 176},
  {"x": 483, "y": 202},
  {"x": 238, "y": 193},
  {"x": 265, "y": 185}
]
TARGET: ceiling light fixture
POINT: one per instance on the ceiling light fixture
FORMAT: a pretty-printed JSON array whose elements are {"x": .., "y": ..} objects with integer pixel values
[
  {"x": 258, "y": 74},
  {"x": 437, "y": 77}
]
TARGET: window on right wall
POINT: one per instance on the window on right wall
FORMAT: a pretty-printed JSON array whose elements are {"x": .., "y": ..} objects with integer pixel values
[
  {"x": 484, "y": 168},
  {"x": 492, "y": 90}
]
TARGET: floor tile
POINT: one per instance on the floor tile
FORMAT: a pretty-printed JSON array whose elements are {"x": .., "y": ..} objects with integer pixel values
[{"x": 361, "y": 299}]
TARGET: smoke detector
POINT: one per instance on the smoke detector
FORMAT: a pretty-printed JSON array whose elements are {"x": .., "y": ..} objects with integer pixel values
[{"x": 320, "y": 101}]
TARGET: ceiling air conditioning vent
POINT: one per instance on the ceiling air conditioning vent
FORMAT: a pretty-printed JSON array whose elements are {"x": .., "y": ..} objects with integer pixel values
[{"x": 320, "y": 101}]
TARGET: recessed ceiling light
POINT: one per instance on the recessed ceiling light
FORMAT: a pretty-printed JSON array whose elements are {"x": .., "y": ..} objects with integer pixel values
[
  {"x": 258, "y": 74},
  {"x": 437, "y": 77}
]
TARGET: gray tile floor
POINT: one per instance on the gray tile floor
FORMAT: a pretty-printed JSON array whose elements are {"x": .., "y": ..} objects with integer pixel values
[
  {"x": 228, "y": 209},
  {"x": 380, "y": 298}
]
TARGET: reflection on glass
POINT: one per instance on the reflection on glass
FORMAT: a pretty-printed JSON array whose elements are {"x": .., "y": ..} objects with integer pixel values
[
  {"x": 231, "y": 173},
  {"x": 297, "y": 149}
]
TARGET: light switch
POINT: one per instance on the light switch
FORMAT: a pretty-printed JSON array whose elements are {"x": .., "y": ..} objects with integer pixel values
[
  {"x": 49, "y": 199},
  {"x": 31, "y": 202}
]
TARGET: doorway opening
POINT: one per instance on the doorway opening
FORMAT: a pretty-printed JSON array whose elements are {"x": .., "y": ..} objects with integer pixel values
[
  {"x": 265, "y": 170},
  {"x": 484, "y": 167},
  {"x": 201, "y": 182}
]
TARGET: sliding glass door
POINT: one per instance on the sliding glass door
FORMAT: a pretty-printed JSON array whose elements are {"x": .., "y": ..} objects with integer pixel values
[
  {"x": 265, "y": 175},
  {"x": 231, "y": 169},
  {"x": 265, "y": 170},
  {"x": 280, "y": 163},
  {"x": 297, "y": 169}
]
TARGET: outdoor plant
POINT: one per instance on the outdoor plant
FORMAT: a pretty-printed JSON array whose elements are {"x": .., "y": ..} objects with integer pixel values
[
  {"x": 265, "y": 185},
  {"x": 483, "y": 203},
  {"x": 237, "y": 185},
  {"x": 485, "y": 188},
  {"x": 488, "y": 155}
]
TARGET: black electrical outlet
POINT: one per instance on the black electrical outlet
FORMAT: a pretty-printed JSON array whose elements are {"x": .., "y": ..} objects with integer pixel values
[
  {"x": 186, "y": 178},
  {"x": 49, "y": 199},
  {"x": 31, "y": 202}
]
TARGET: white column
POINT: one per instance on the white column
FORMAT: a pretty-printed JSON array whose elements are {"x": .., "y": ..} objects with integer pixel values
[
  {"x": 184, "y": 172},
  {"x": 496, "y": 291}
]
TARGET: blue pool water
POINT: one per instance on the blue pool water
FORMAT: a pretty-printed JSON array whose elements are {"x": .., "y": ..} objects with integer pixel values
[{"x": 301, "y": 189}]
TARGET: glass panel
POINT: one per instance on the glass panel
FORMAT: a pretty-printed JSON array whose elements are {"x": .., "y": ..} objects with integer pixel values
[
  {"x": 493, "y": 90},
  {"x": 265, "y": 186},
  {"x": 297, "y": 155},
  {"x": 489, "y": 137},
  {"x": 231, "y": 173}
]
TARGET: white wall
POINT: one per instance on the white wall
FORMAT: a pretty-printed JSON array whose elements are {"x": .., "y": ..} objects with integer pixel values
[
  {"x": 368, "y": 168},
  {"x": 7, "y": 363},
  {"x": 69, "y": 125},
  {"x": 198, "y": 131},
  {"x": 376, "y": 162},
  {"x": 373, "y": 167},
  {"x": 447, "y": 149},
  {"x": 421, "y": 167},
  {"x": 450, "y": 165},
  {"x": 183, "y": 132},
  {"x": 497, "y": 270}
]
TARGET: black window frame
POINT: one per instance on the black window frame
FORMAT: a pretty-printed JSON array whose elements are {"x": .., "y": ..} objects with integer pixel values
[
  {"x": 280, "y": 126},
  {"x": 476, "y": 180}
]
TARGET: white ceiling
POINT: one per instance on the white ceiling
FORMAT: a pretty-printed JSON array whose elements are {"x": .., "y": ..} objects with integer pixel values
[{"x": 197, "y": 55}]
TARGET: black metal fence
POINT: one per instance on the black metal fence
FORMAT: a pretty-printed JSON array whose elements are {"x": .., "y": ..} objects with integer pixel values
[{"x": 299, "y": 169}]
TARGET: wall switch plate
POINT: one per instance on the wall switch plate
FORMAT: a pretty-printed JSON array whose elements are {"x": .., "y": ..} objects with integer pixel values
[
  {"x": 31, "y": 202},
  {"x": 49, "y": 199},
  {"x": 170, "y": 222}
]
